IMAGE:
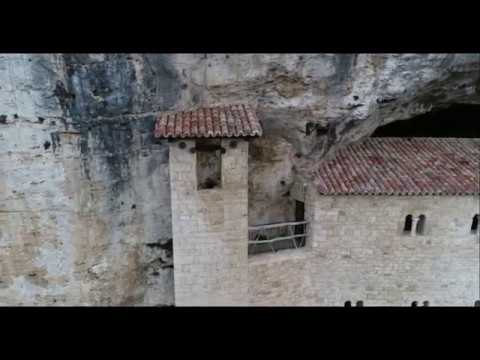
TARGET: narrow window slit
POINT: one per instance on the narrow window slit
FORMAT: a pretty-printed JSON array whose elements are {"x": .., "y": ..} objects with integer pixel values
[
  {"x": 474, "y": 227},
  {"x": 420, "y": 229},
  {"x": 407, "y": 228}
]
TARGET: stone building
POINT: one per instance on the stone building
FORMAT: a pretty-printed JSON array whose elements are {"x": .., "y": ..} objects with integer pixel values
[
  {"x": 386, "y": 221},
  {"x": 391, "y": 221}
]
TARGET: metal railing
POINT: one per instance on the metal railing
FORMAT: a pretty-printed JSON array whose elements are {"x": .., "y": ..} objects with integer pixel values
[{"x": 278, "y": 236}]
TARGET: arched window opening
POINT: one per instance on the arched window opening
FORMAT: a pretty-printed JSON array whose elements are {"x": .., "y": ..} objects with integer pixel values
[
  {"x": 414, "y": 304},
  {"x": 359, "y": 303},
  {"x": 426, "y": 303},
  {"x": 474, "y": 227},
  {"x": 348, "y": 304},
  {"x": 420, "y": 225},
  {"x": 407, "y": 228}
]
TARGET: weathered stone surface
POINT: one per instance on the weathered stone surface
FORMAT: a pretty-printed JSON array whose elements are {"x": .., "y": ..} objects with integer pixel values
[
  {"x": 84, "y": 192},
  {"x": 84, "y": 200}
]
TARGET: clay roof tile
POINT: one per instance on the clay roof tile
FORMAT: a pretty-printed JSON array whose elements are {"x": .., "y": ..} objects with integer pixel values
[
  {"x": 400, "y": 166},
  {"x": 215, "y": 121}
]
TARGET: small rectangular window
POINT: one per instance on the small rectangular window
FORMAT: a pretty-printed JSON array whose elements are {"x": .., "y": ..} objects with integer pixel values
[
  {"x": 474, "y": 227},
  {"x": 209, "y": 163},
  {"x": 407, "y": 227},
  {"x": 420, "y": 229}
]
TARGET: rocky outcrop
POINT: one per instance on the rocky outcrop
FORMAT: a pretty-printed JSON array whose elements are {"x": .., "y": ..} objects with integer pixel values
[{"x": 84, "y": 191}]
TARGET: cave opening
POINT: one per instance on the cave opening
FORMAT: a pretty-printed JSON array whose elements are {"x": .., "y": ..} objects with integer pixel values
[{"x": 458, "y": 121}]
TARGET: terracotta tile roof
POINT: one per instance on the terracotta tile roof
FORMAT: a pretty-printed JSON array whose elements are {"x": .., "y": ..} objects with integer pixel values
[
  {"x": 402, "y": 166},
  {"x": 216, "y": 121}
]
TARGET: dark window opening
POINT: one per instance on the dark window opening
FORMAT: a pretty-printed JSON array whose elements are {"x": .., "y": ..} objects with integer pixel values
[
  {"x": 426, "y": 303},
  {"x": 414, "y": 304},
  {"x": 477, "y": 303},
  {"x": 309, "y": 128},
  {"x": 359, "y": 303},
  {"x": 436, "y": 123},
  {"x": 420, "y": 229},
  {"x": 348, "y": 304},
  {"x": 319, "y": 130},
  {"x": 407, "y": 228},
  {"x": 209, "y": 163},
  {"x": 474, "y": 227}
]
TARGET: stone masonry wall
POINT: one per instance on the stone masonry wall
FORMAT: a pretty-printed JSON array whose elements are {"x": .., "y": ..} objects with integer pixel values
[
  {"x": 357, "y": 251},
  {"x": 210, "y": 229}
]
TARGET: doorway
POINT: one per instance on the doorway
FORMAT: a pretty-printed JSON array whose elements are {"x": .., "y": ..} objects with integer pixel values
[{"x": 300, "y": 216}]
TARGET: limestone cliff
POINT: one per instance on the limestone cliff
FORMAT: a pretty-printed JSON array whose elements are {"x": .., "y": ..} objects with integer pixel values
[{"x": 84, "y": 190}]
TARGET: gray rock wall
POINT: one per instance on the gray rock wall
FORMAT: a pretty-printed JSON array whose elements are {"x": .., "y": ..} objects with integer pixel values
[{"x": 84, "y": 193}]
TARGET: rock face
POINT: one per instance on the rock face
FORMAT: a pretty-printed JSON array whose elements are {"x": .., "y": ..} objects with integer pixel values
[{"x": 84, "y": 192}]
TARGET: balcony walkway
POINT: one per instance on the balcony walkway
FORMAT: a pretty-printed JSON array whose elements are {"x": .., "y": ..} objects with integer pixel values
[{"x": 277, "y": 236}]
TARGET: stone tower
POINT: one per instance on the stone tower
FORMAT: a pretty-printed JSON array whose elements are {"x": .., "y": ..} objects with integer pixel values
[{"x": 209, "y": 196}]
